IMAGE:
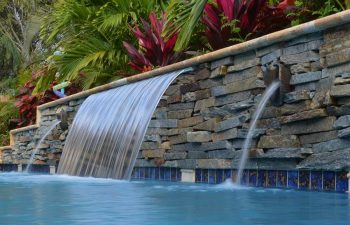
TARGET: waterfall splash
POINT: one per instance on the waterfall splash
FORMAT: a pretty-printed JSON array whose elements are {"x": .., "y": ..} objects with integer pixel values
[
  {"x": 29, "y": 164},
  {"x": 108, "y": 130},
  {"x": 267, "y": 95}
]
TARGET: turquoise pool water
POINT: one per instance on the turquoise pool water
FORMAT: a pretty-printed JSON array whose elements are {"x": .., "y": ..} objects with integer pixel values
[{"x": 45, "y": 199}]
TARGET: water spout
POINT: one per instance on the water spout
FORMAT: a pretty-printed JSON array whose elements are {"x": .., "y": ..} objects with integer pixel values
[
  {"x": 108, "y": 130},
  {"x": 267, "y": 95},
  {"x": 29, "y": 164}
]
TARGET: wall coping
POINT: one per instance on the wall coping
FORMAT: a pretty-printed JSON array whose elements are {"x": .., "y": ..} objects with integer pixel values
[{"x": 318, "y": 25}]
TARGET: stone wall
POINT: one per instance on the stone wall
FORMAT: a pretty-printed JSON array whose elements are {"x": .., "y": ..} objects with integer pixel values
[{"x": 203, "y": 118}]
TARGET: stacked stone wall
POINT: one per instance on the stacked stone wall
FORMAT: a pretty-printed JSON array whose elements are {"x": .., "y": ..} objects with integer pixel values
[{"x": 203, "y": 118}]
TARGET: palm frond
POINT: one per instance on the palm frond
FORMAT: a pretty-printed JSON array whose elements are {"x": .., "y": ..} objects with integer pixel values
[{"x": 183, "y": 17}]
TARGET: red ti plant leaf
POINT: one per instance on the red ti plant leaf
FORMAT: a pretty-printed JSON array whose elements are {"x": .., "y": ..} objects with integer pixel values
[
  {"x": 232, "y": 21},
  {"x": 153, "y": 50}
]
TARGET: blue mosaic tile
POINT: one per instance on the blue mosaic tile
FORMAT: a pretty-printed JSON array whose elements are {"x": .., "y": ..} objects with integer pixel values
[
  {"x": 161, "y": 173},
  {"x": 142, "y": 173},
  {"x": 198, "y": 175},
  {"x": 342, "y": 184},
  {"x": 152, "y": 173},
  {"x": 204, "y": 176},
  {"x": 156, "y": 173},
  {"x": 245, "y": 177},
  {"x": 147, "y": 174},
  {"x": 227, "y": 174},
  {"x": 167, "y": 174},
  {"x": 271, "y": 178},
  {"x": 178, "y": 174},
  {"x": 173, "y": 174},
  {"x": 212, "y": 176},
  {"x": 234, "y": 176},
  {"x": 329, "y": 181},
  {"x": 293, "y": 179},
  {"x": 261, "y": 178},
  {"x": 253, "y": 178},
  {"x": 304, "y": 179},
  {"x": 316, "y": 181},
  {"x": 281, "y": 179},
  {"x": 219, "y": 176},
  {"x": 133, "y": 174}
]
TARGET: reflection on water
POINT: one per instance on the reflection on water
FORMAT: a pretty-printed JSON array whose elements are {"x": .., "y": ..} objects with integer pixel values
[{"x": 45, "y": 199}]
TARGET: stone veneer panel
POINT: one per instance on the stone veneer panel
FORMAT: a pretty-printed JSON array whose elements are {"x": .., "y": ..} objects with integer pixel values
[{"x": 202, "y": 119}]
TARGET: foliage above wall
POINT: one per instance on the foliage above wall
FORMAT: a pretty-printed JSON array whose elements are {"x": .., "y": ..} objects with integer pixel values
[{"x": 154, "y": 49}]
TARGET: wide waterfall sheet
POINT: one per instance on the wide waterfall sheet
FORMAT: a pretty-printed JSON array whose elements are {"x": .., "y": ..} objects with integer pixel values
[{"x": 108, "y": 130}]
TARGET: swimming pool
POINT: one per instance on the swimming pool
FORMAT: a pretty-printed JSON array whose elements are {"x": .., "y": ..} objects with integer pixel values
[{"x": 46, "y": 199}]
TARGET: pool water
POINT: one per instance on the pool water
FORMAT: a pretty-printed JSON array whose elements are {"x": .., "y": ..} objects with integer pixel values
[{"x": 45, "y": 199}]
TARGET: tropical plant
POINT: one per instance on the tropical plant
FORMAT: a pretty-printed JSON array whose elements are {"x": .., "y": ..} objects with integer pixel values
[
  {"x": 154, "y": 50},
  {"x": 90, "y": 34},
  {"x": 310, "y": 10},
  {"x": 8, "y": 112},
  {"x": 19, "y": 26},
  {"x": 27, "y": 101},
  {"x": 236, "y": 18}
]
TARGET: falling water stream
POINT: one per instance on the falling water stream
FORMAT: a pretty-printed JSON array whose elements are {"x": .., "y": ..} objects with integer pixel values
[
  {"x": 267, "y": 95},
  {"x": 109, "y": 128},
  {"x": 35, "y": 151}
]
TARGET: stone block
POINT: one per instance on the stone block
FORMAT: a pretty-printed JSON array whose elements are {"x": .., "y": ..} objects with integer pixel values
[
  {"x": 213, "y": 163},
  {"x": 336, "y": 71},
  {"x": 208, "y": 125},
  {"x": 173, "y": 90},
  {"x": 203, "y": 104},
  {"x": 306, "y": 87},
  {"x": 150, "y": 145},
  {"x": 221, "y": 62},
  {"x": 341, "y": 81},
  {"x": 338, "y": 111},
  {"x": 339, "y": 160},
  {"x": 342, "y": 122},
  {"x": 202, "y": 74},
  {"x": 289, "y": 109},
  {"x": 209, "y": 83},
  {"x": 297, "y": 96},
  {"x": 344, "y": 133},
  {"x": 158, "y": 153},
  {"x": 225, "y": 135},
  {"x": 199, "y": 136},
  {"x": 222, "y": 154},
  {"x": 295, "y": 49},
  {"x": 197, "y": 155},
  {"x": 266, "y": 124},
  {"x": 277, "y": 164},
  {"x": 244, "y": 85},
  {"x": 242, "y": 133},
  {"x": 309, "y": 126},
  {"x": 168, "y": 123},
  {"x": 339, "y": 57},
  {"x": 180, "y": 114},
  {"x": 178, "y": 139},
  {"x": 174, "y": 99},
  {"x": 332, "y": 145},
  {"x": 232, "y": 122},
  {"x": 218, "y": 72},
  {"x": 305, "y": 78},
  {"x": 279, "y": 141},
  {"x": 181, "y": 106},
  {"x": 272, "y": 56},
  {"x": 165, "y": 145},
  {"x": 305, "y": 115},
  {"x": 232, "y": 98},
  {"x": 300, "y": 68},
  {"x": 317, "y": 137},
  {"x": 283, "y": 153},
  {"x": 238, "y": 106},
  {"x": 309, "y": 56},
  {"x": 152, "y": 137},
  {"x": 175, "y": 155},
  {"x": 189, "y": 122},
  {"x": 189, "y": 87},
  {"x": 244, "y": 65},
  {"x": 242, "y": 75}
]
